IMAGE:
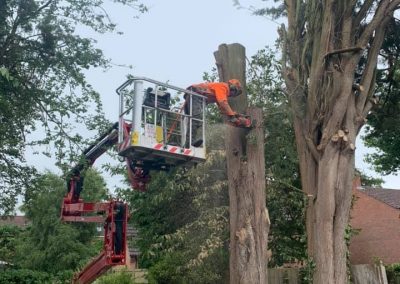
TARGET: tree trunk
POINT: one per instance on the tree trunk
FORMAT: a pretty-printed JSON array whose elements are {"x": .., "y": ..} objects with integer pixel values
[
  {"x": 327, "y": 174},
  {"x": 249, "y": 220},
  {"x": 329, "y": 66},
  {"x": 328, "y": 215}
]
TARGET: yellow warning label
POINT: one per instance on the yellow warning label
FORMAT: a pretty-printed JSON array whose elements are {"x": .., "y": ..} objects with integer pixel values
[
  {"x": 159, "y": 134},
  {"x": 135, "y": 138}
]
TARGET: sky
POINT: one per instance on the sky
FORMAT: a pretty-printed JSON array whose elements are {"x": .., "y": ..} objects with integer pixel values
[{"x": 175, "y": 41}]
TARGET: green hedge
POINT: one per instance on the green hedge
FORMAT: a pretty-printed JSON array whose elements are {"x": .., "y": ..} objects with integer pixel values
[
  {"x": 393, "y": 273},
  {"x": 24, "y": 276}
]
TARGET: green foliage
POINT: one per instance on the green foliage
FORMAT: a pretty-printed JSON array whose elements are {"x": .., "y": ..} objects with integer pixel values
[
  {"x": 287, "y": 232},
  {"x": 393, "y": 273},
  {"x": 50, "y": 245},
  {"x": 368, "y": 180},
  {"x": 383, "y": 131},
  {"x": 183, "y": 225},
  {"x": 25, "y": 276},
  {"x": 42, "y": 82},
  {"x": 9, "y": 236},
  {"x": 117, "y": 277},
  {"x": 307, "y": 271},
  {"x": 286, "y": 202}
]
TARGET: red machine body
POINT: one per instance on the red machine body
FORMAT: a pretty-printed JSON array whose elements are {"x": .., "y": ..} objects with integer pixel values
[
  {"x": 113, "y": 214},
  {"x": 142, "y": 114}
]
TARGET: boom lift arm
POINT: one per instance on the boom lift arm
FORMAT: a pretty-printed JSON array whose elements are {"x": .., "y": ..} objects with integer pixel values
[
  {"x": 147, "y": 140},
  {"x": 114, "y": 214}
]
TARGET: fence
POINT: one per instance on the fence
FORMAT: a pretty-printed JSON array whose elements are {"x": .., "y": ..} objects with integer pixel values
[
  {"x": 369, "y": 274},
  {"x": 360, "y": 274}
]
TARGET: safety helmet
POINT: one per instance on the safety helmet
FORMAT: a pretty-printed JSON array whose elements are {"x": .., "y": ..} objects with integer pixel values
[
  {"x": 235, "y": 89},
  {"x": 235, "y": 82}
]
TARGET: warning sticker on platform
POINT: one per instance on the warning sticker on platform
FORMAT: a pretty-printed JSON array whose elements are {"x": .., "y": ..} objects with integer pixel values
[
  {"x": 135, "y": 138},
  {"x": 154, "y": 132}
]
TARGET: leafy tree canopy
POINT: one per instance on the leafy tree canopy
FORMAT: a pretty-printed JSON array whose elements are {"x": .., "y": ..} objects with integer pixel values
[
  {"x": 8, "y": 240},
  {"x": 42, "y": 81},
  {"x": 368, "y": 180},
  {"x": 285, "y": 200},
  {"x": 48, "y": 244},
  {"x": 183, "y": 223}
]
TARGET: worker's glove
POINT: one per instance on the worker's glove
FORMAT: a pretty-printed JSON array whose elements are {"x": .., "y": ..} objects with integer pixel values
[
  {"x": 233, "y": 118},
  {"x": 244, "y": 122},
  {"x": 239, "y": 120}
]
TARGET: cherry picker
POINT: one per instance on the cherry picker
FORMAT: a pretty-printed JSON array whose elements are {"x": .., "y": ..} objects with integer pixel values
[{"x": 150, "y": 135}]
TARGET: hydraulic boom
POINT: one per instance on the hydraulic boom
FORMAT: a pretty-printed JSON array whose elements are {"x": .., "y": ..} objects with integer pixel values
[
  {"x": 114, "y": 214},
  {"x": 150, "y": 135}
]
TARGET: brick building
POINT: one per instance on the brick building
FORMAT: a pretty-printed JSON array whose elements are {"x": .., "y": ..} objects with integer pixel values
[
  {"x": 376, "y": 213},
  {"x": 19, "y": 221}
]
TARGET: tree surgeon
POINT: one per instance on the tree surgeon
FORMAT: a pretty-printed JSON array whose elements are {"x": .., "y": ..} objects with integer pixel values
[{"x": 216, "y": 93}]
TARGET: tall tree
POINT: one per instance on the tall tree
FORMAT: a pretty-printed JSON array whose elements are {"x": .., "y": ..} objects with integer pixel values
[
  {"x": 42, "y": 81},
  {"x": 330, "y": 52},
  {"x": 248, "y": 215}
]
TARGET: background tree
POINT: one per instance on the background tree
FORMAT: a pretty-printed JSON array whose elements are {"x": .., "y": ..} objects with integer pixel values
[
  {"x": 286, "y": 202},
  {"x": 330, "y": 52},
  {"x": 9, "y": 236},
  {"x": 42, "y": 81},
  {"x": 48, "y": 244},
  {"x": 382, "y": 129},
  {"x": 368, "y": 180},
  {"x": 183, "y": 221}
]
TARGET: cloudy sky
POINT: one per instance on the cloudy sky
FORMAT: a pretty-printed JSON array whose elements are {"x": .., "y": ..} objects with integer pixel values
[{"x": 175, "y": 42}]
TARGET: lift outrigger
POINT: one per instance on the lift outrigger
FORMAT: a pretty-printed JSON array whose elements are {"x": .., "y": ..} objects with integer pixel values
[{"x": 150, "y": 135}]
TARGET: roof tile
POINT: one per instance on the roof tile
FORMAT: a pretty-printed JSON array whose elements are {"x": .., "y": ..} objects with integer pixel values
[{"x": 390, "y": 197}]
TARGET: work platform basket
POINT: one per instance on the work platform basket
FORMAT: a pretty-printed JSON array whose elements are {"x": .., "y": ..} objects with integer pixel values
[{"x": 155, "y": 121}]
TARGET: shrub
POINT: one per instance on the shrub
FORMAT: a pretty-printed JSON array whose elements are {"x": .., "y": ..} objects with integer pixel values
[
  {"x": 24, "y": 276},
  {"x": 393, "y": 273},
  {"x": 118, "y": 277}
]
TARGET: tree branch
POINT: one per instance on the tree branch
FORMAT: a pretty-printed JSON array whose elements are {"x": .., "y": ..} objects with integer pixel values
[
  {"x": 379, "y": 16},
  {"x": 347, "y": 35},
  {"x": 363, "y": 12},
  {"x": 343, "y": 50},
  {"x": 313, "y": 150},
  {"x": 318, "y": 66},
  {"x": 394, "y": 5},
  {"x": 367, "y": 79},
  {"x": 291, "y": 10},
  {"x": 44, "y": 6},
  {"x": 10, "y": 36},
  {"x": 283, "y": 35},
  {"x": 18, "y": 20}
]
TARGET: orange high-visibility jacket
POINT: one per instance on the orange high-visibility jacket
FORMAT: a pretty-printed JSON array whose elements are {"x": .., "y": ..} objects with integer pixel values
[{"x": 216, "y": 93}]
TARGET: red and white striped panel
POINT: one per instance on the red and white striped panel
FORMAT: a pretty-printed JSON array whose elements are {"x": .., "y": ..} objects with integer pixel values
[{"x": 172, "y": 149}]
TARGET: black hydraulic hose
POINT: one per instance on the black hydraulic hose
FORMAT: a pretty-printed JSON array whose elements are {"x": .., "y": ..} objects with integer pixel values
[
  {"x": 119, "y": 221},
  {"x": 90, "y": 155}
]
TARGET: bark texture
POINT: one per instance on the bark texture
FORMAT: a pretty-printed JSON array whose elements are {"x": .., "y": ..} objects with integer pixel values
[
  {"x": 249, "y": 220},
  {"x": 330, "y": 90}
]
